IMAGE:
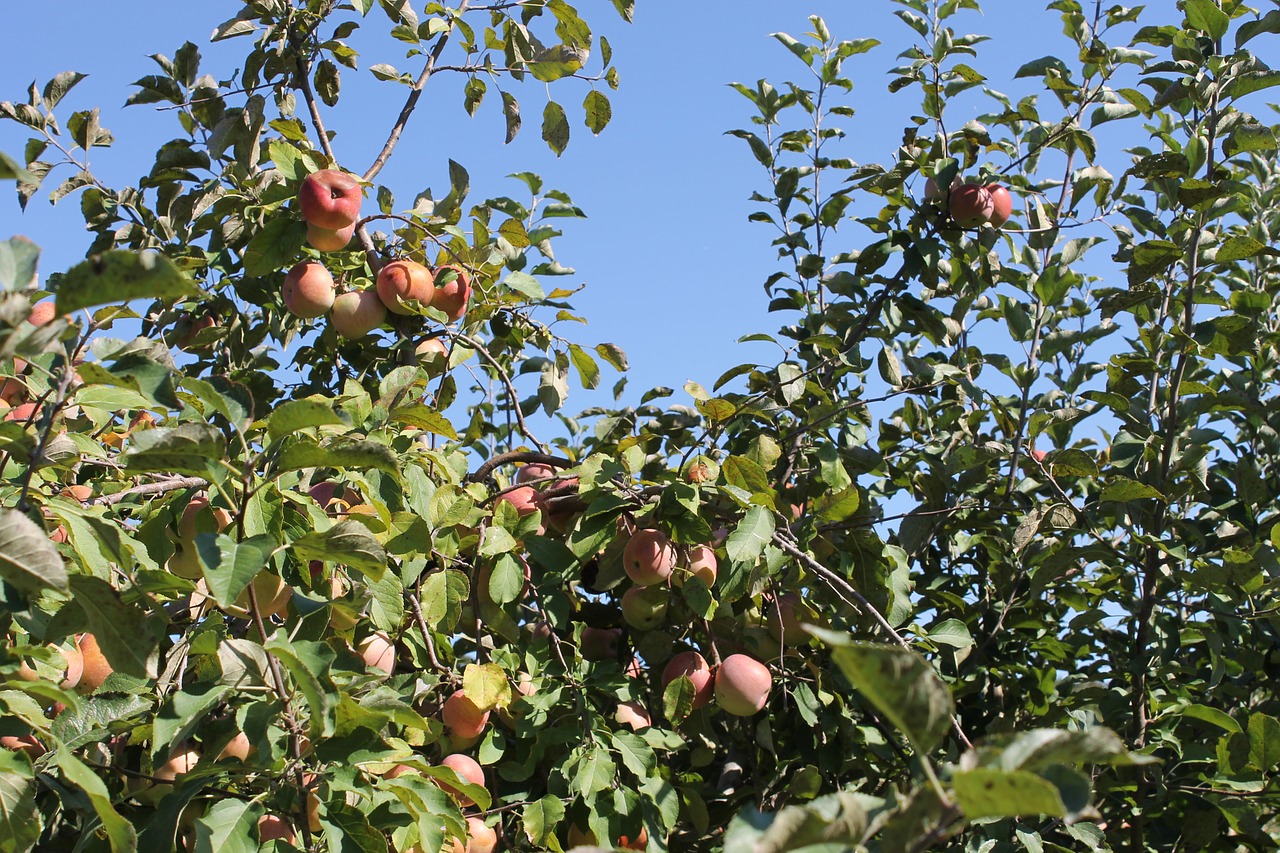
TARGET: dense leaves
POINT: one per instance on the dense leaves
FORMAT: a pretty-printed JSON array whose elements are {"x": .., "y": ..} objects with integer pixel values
[{"x": 999, "y": 526}]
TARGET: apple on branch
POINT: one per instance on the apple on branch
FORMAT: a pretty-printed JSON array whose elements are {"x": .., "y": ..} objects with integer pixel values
[{"x": 330, "y": 199}]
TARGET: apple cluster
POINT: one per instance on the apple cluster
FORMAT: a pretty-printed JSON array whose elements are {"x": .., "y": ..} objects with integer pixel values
[
  {"x": 330, "y": 202},
  {"x": 973, "y": 205}
]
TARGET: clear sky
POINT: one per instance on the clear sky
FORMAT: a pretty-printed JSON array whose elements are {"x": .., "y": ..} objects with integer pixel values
[{"x": 673, "y": 269}]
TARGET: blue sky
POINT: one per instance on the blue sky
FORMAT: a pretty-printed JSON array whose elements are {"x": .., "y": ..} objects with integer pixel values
[{"x": 673, "y": 269}]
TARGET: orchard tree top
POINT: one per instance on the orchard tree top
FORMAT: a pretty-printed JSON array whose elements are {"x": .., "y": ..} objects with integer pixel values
[{"x": 985, "y": 560}]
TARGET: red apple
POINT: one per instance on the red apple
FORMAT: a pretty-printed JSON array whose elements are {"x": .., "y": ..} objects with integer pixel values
[
  {"x": 525, "y": 499},
  {"x": 433, "y": 356},
  {"x": 275, "y": 828},
  {"x": 22, "y": 413},
  {"x": 461, "y": 716},
  {"x": 649, "y": 557},
  {"x": 330, "y": 199},
  {"x": 326, "y": 494},
  {"x": 308, "y": 290},
  {"x": 694, "y": 666},
  {"x": 742, "y": 685},
  {"x": 1002, "y": 205},
  {"x": 702, "y": 564},
  {"x": 41, "y": 313},
  {"x": 470, "y": 771},
  {"x": 481, "y": 838},
  {"x": 404, "y": 281},
  {"x": 600, "y": 643},
  {"x": 971, "y": 205},
  {"x": 633, "y": 714},
  {"x": 356, "y": 313},
  {"x": 329, "y": 239},
  {"x": 379, "y": 652},
  {"x": 23, "y": 743},
  {"x": 534, "y": 471},
  {"x": 452, "y": 290},
  {"x": 96, "y": 669}
]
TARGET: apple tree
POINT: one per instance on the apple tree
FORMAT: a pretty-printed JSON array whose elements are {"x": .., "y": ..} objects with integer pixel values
[{"x": 983, "y": 560}]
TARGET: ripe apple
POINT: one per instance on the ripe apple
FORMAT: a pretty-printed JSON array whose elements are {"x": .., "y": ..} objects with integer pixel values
[
  {"x": 379, "y": 652},
  {"x": 694, "y": 666},
  {"x": 525, "y": 499},
  {"x": 433, "y": 356},
  {"x": 633, "y": 714},
  {"x": 461, "y": 716},
  {"x": 275, "y": 828},
  {"x": 23, "y": 743},
  {"x": 649, "y": 557},
  {"x": 404, "y": 281},
  {"x": 181, "y": 762},
  {"x": 742, "y": 685},
  {"x": 78, "y": 492},
  {"x": 452, "y": 290},
  {"x": 308, "y": 290},
  {"x": 13, "y": 390},
  {"x": 481, "y": 838},
  {"x": 195, "y": 520},
  {"x": 971, "y": 205},
  {"x": 272, "y": 593},
  {"x": 356, "y": 313},
  {"x": 330, "y": 199},
  {"x": 558, "y": 513},
  {"x": 23, "y": 413},
  {"x": 645, "y": 607},
  {"x": 189, "y": 326},
  {"x": 238, "y": 748},
  {"x": 96, "y": 669},
  {"x": 470, "y": 771},
  {"x": 41, "y": 313},
  {"x": 702, "y": 564},
  {"x": 1002, "y": 205},
  {"x": 534, "y": 471},
  {"x": 329, "y": 239},
  {"x": 600, "y": 643}
]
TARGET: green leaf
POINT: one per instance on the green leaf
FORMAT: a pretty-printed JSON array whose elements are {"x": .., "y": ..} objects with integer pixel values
[
  {"x": 598, "y": 110},
  {"x": 12, "y": 170},
  {"x": 230, "y": 566},
  {"x": 540, "y": 819},
  {"x": 18, "y": 259},
  {"x": 121, "y": 630},
  {"x": 189, "y": 448},
  {"x": 275, "y": 246},
  {"x": 28, "y": 560},
  {"x": 899, "y": 683},
  {"x": 297, "y": 415},
  {"x": 229, "y": 826},
  {"x": 20, "y": 823},
  {"x": 637, "y": 756},
  {"x": 951, "y": 632},
  {"x": 182, "y": 714},
  {"x": 120, "y": 833},
  {"x": 613, "y": 354},
  {"x": 1264, "y": 741},
  {"x": 348, "y": 542},
  {"x": 555, "y": 127},
  {"x": 836, "y": 822},
  {"x": 486, "y": 686},
  {"x": 121, "y": 276},
  {"x": 588, "y": 370},
  {"x": 1121, "y": 490},
  {"x": 1206, "y": 16},
  {"x": 423, "y": 417},
  {"x": 362, "y": 455},
  {"x": 1268, "y": 23},
  {"x": 677, "y": 699},
  {"x": 1221, "y": 719},
  {"x": 748, "y": 539},
  {"x": 443, "y": 594},
  {"x": 996, "y": 793},
  {"x": 308, "y": 663},
  {"x": 1237, "y": 249}
]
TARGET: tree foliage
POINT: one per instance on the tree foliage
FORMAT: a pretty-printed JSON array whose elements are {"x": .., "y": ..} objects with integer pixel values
[{"x": 1001, "y": 518}]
